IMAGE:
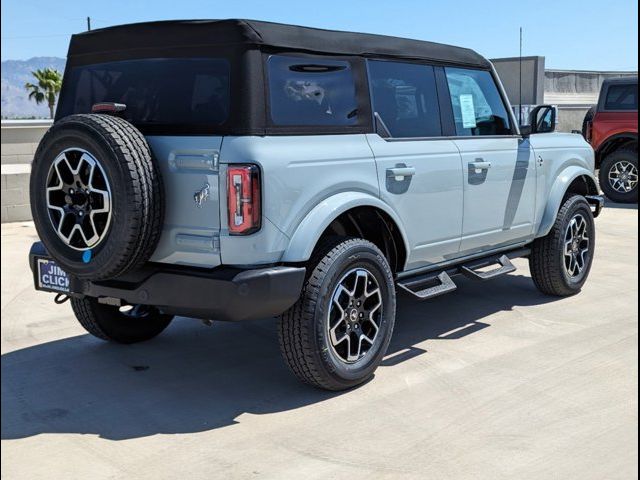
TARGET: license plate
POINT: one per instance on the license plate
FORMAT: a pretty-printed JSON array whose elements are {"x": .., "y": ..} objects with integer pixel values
[{"x": 51, "y": 277}]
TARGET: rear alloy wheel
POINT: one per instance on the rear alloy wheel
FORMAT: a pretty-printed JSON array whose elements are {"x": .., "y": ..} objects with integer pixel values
[
  {"x": 619, "y": 176},
  {"x": 354, "y": 315},
  {"x": 336, "y": 334}
]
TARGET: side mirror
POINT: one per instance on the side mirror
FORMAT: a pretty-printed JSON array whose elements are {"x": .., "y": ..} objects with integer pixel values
[{"x": 542, "y": 119}]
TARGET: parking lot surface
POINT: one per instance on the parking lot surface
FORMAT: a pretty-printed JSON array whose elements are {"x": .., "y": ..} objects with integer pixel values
[{"x": 493, "y": 381}]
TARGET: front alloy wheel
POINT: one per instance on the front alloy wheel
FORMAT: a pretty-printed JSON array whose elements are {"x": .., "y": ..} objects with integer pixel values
[
  {"x": 576, "y": 246},
  {"x": 561, "y": 260}
]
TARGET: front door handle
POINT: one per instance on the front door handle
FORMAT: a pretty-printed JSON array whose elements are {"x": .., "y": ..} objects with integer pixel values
[
  {"x": 401, "y": 172},
  {"x": 480, "y": 165}
]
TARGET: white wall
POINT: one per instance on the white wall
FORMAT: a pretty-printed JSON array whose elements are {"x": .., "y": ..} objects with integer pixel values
[{"x": 20, "y": 139}]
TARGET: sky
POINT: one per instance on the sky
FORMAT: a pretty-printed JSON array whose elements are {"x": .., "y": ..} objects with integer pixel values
[{"x": 571, "y": 34}]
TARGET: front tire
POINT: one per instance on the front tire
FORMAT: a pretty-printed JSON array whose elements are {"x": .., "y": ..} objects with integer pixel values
[
  {"x": 561, "y": 261},
  {"x": 335, "y": 336},
  {"x": 109, "y": 323},
  {"x": 619, "y": 176}
]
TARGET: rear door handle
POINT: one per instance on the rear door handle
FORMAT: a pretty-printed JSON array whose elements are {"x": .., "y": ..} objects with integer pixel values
[
  {"x": 480, "y": 165},
  {"x": 401, "y": 172}
]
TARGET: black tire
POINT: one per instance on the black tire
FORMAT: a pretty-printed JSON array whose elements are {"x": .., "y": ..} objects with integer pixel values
[
  {"x": 610, "y": 161},
  {"x": 304, "y": 331},
  {"x": 547, "y": 260},
  {"x": 132, "y": 232},
  {"x": 108, "y": 323},
  {"x": 588, "y": 118}
]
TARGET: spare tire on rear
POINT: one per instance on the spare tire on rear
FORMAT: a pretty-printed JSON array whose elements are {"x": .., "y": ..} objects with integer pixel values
[{"x": 96, "y": 196}]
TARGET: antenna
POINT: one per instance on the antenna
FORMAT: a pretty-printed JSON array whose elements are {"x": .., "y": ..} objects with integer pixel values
[
  {"x": 88, "y": 23},
  {"x": 520, "y": 83}
]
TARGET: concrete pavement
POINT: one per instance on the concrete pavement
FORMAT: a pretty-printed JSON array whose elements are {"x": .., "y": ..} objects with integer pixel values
[{"x": 494, "y": 381}]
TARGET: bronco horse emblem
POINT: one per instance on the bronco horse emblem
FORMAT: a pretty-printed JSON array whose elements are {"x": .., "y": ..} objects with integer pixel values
[{"x": 201, "y": 195}]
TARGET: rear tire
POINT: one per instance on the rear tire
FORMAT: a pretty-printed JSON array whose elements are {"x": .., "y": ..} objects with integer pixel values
[
  {"x": 108, "y": 323},
  {"x": 335, "y": 336},
  {"x": 561, "y": 261},
  {"x": 619, "y": 176}
]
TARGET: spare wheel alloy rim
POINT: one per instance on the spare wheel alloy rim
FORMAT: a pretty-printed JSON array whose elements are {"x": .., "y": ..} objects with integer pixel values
[{"x": 78, "y": 199}]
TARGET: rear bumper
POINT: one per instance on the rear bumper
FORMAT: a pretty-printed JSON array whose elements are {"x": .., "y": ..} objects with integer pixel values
[{"x": 219, "y": 294}]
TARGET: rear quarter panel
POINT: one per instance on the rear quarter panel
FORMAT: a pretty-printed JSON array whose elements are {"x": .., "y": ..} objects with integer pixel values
[
  {"x": 607, "y": 124},
  {"x": 298, "y": 173}
]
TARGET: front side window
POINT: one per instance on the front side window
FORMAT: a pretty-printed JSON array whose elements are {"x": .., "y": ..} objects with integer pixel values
[
  {"x": 478, "y": 108},
  {"x": 156, "y": 91},
  {"x": 306, "y": 91},
  {"x": 622, "y": 97},
  {"x": 404, "y": 96}
]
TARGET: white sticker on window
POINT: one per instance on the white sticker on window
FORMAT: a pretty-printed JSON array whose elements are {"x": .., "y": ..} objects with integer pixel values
[{"x": 468, "y": 111}]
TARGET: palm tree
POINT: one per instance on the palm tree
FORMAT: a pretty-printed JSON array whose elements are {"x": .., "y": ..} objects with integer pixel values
[{"x": 47, "y": 88}]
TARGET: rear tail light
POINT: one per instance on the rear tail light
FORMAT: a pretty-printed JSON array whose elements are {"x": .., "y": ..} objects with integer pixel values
[{"x": 243, "y": 199}]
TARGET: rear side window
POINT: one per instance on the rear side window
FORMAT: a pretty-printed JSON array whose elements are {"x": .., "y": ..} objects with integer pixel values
[
  {"x": 311, "y": 92},
  {"x": 622, "y": 97},
  {"x": 478, "y": 108},
  {"x": 157, "y": 91},
  {"x": 404, "y": 96}
]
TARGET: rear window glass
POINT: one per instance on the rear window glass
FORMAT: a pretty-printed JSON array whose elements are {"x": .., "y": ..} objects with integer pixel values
[
  {"x": 405, "y": 97},
  {"x": 307, "y": 91},
  {"x": 622, "y": 97},
  {"x": 157, "y": 91}
]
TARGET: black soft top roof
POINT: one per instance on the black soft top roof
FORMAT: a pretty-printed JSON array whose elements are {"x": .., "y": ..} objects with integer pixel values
[{"x": 199, "y": 34}]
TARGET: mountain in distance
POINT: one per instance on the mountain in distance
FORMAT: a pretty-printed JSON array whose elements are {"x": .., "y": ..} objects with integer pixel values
[{"x": 15, "y": 99}]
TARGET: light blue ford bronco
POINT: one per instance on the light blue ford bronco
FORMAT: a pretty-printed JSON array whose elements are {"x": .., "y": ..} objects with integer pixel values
[{"x": 235, "y": 170}]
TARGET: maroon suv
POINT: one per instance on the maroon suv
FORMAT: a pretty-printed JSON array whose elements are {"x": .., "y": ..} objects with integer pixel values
[{"x": 611, "y": 127}]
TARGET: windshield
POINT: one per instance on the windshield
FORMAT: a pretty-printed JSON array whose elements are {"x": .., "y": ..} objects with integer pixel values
[{"x": 156, "y": 91}]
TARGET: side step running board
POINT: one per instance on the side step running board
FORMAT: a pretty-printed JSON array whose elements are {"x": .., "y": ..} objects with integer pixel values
[
  {"x": 505, "y": 267},
  {"x": 420, "y": 288},
  {"x": 431, "y": 284}
]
